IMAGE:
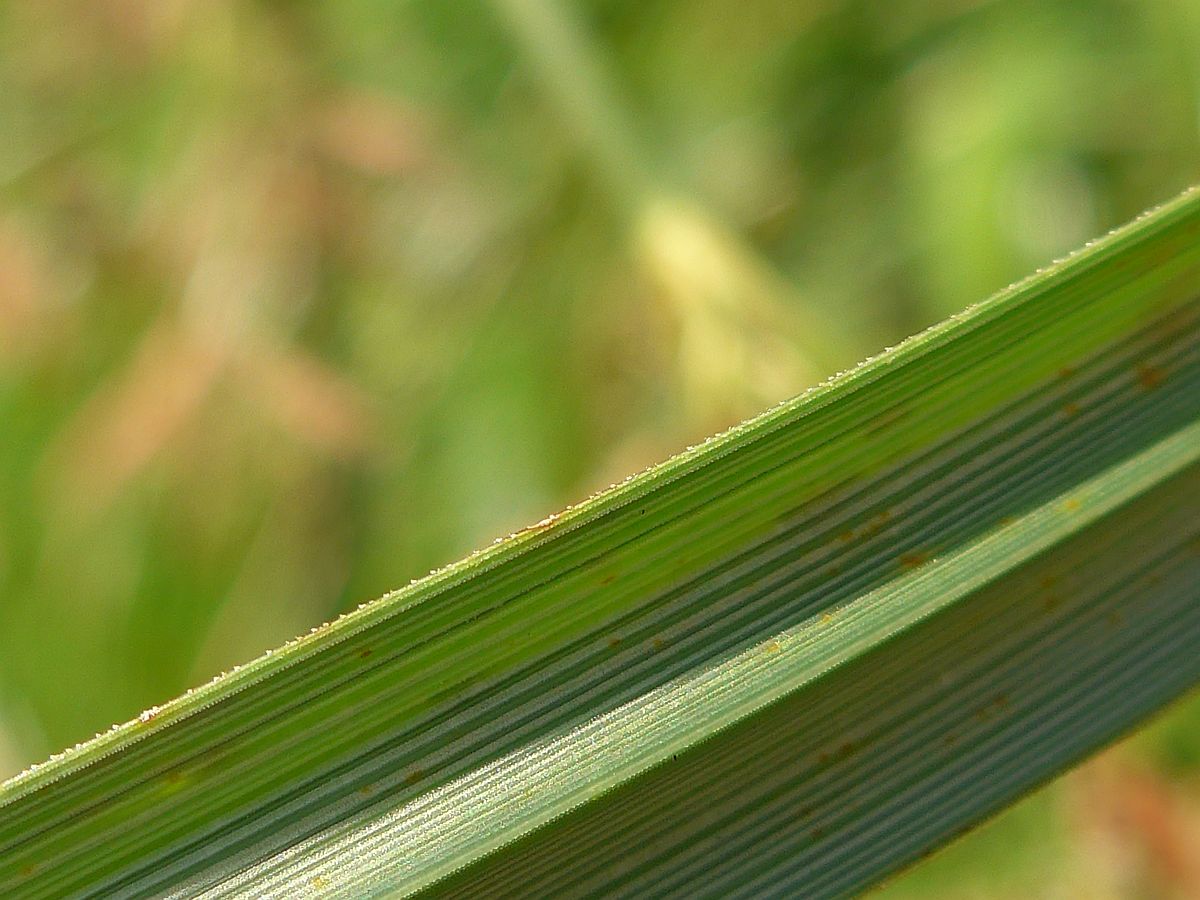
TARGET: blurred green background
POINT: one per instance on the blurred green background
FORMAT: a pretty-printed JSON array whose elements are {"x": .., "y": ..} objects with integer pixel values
[{"x": 300, "y": 300}]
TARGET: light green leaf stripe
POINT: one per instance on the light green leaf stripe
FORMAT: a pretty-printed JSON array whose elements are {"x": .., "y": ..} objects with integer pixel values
[{"x": 792, "y": 659}]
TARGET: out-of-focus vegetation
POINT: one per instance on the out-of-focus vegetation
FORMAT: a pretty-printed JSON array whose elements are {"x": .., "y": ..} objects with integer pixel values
[{"x": 298, "y": 301}]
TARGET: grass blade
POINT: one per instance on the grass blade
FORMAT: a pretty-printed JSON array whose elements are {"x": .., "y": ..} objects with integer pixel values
[{"x": 801, "y": 654}]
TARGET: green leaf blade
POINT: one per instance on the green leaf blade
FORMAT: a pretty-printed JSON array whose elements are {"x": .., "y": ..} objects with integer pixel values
[{"x": 507, "y": 712}]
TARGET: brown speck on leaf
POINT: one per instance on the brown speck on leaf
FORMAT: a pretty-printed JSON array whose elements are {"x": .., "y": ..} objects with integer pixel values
[
  {"x": 887, "y": 419},
  {"x": 607, "y": 580},
  {"x": 1149, "y": 377},
  {"x": 1070, "y": 410},
  {"x": 817, "y": 833},
  {"x": 999, "y": 702},
  {"x": 950, "y": 740},
  {"x": 29, "y": 871},
  {"x": 823, "y": 759},
  {"x": 657, "y": 644},
  {"x": 835, "y": 570},
  {"x": 846, "y": 536},
  {"x": 366, "y": 790},
  {"x": 1115, "y": 618},
  {"x": 1066, "y": 372},
  {"x": 875, "y": 523},
  {"x": 614, "y": 643},
  {"x": 365, "y": 652},
  {"x": 1007, "y": 520},
  {"x": 914, "y": 559},
  {"x": 846, "y": 750},
  {"x": 414, "y": 776}
]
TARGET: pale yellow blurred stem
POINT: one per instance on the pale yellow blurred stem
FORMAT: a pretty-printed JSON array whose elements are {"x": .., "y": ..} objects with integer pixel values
[{"x": 744, "y": 338}]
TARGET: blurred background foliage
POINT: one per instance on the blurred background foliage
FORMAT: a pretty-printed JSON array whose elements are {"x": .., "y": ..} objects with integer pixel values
[{"x": 300, "y": 300}]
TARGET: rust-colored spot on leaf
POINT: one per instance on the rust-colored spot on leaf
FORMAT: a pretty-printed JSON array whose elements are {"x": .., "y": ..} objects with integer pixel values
[
  {"x": 817, "y": 833},
  {"x": 914, "y": 559},
  {"x": 1066, "y": 372},
  {"x": 607, "y": 580},
  {"x": 875, "y": 523},
  {"x": 365, "y": 652},
  {"x": 614, "y": 643},
  {"x": 366, "y": 790},
  {"x": 887, "y": 419},
  {"x": 999, "y": 702},
  {"x": 414, "y": 776},
  {"x": 846, "y": 536},
  {"x": 29, "y": 871},
  {"x": 846, "y": 750},
  {"x": 823, "y": 759},
  {"x": 657, "y": 644},
  {"x": 1150, "y": 377},
  {"x": 835, "y": 570},
  {"x": 1070, "y": 410}
]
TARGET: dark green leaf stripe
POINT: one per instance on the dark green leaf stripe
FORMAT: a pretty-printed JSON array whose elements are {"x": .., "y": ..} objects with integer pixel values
[{"x": 769, "y": 664}]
